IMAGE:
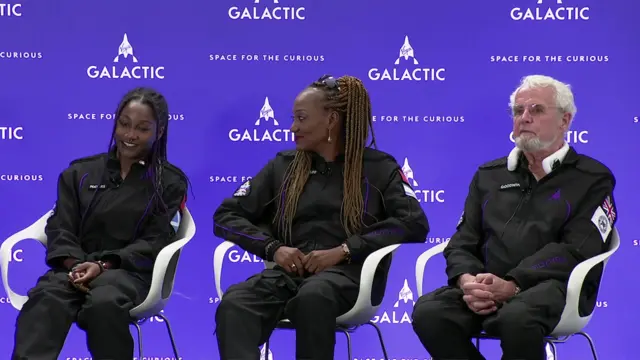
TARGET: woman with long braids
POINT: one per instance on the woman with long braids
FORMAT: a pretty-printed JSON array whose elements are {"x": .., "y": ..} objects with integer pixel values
[
  {"x": 317, "y": 212},
  {"x": 112, "y": 217}
]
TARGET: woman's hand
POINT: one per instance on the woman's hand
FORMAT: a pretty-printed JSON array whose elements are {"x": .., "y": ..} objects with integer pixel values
[{"x": 85, "y": 272}]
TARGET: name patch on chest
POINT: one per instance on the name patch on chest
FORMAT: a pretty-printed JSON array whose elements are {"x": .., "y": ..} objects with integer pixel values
[
  {"x": 101, "y": 186},
  {"x": 509, "y": 186}
]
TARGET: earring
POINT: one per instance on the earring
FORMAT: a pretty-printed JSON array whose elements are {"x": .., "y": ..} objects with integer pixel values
[{"x": 329, "y": 139}]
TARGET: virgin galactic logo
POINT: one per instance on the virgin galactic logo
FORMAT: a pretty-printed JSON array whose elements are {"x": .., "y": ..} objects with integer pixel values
[
  {"x": 261, "y": 10},
  {"x": 572, "y": 137},
  {"x": 265, "y": 129},
  {"x": 126, "y": 66},
  {"x": 544, "y": 11},
  {"x": 401, "y": 308},
  {"x": 411, "y": 72}
]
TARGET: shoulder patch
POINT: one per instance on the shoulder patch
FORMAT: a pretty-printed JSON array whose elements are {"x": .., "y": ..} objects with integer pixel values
[
  {"x": 88, "y": 159},
  {"x": 502, "y": 162},
  {"x": 406, "y": 187},
  {"x": 602, "y": 223},
  {"x": 460, "y": 221},
  {"x": 243, "y": 190}
]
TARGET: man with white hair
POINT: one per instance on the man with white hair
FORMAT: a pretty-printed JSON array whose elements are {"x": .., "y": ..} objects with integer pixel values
[{"x": 528, "y": 220}]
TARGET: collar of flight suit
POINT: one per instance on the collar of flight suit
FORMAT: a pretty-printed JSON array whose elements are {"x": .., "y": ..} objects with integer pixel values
[{"x": 548, "y": 164}]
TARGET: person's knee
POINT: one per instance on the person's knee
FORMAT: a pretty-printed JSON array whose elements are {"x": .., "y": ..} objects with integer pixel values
[
  {"x": 105, "y": 302},
  {"x": 229, "y": 304},
  {"x": 319, "y": 299},
  {"x": 512, "y": 319},
  {"x": 427, "y": 315}
]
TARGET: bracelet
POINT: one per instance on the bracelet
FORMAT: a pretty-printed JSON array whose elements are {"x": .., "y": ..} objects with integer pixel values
[{"x": 101, "y": 266}]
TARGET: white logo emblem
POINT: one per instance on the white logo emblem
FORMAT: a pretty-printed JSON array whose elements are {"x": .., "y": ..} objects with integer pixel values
[
  {"x": 268, "y": 133},
  {"x": 125, "y": 54},
  {"x": 408, "y": 172},
  {"x": 406, "y": 52},
  {"x": 405, "y": 295},
  {"x": 263, "y": 350},
  {"x": 125, "y": 49},
  {"x": 266, "y": 112},
  {"x": 602, "y": 223},
  {"x": 418, "y": 74}
]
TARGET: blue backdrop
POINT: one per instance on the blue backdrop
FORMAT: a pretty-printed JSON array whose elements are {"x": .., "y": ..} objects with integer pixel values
[{"x": 442, "y": 110}]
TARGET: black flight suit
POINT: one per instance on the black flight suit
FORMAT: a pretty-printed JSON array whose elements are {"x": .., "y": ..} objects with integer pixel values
[
  {"x": 531, "y": 232},
  {"x": 250, "y": 310},
  {"x": 98, "y": 216}
]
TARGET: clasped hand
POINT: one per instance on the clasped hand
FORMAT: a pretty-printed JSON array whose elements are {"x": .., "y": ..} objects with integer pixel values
[
  {"x": 83, "y": 273},
  {"x": 294, "y": 261},
  {"x": 484, "y": 292}
]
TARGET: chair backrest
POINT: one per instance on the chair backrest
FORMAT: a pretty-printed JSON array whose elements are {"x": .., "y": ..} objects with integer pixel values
[{"x": 185, "y": 233}]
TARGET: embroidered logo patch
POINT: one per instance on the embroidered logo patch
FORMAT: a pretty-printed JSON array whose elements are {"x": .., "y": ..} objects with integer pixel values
[
  {"x": 244, "y": 189},
  {"x": 460, "y": 221},
  {"x": 407, "y": 188},
  {"x": 602, "y": 223}
]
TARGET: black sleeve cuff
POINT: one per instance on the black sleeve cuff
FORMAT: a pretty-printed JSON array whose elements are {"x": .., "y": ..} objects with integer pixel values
[{"x": 270, "y": 249}]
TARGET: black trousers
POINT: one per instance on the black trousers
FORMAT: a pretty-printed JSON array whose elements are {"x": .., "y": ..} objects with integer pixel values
[
  {"x": 44, "y": 322},
  {"x": 444, "y": 323},
  {"x": 249, "y": 312}
]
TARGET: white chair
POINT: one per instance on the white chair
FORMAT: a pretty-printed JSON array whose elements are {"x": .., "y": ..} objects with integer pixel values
[
  {"x": 571, "y": 323},
  {"x": 361, "y": 313},
  {"x": 164, "y": 271}
]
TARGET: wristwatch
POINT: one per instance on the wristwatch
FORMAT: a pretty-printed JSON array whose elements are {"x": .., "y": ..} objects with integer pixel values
[
  {"x": 347, "y": 252},
  {"x": 517, "y": 290}
]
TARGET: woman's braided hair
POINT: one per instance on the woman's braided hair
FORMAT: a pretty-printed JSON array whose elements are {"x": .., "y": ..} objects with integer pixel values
[
  {"x": 158, "y": 154},
  {"x": 349, "y": 98}
]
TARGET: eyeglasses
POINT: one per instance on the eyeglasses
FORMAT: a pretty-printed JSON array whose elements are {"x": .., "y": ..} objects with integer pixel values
[
  {"x": 330, "y": 82},
  {"x": 533, "y": 109}
]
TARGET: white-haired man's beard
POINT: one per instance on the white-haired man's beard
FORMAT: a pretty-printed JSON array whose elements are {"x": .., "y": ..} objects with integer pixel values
[{"x": 533, "y": 143}]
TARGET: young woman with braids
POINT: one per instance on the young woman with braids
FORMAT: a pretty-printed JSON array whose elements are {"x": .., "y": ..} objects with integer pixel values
[
  {"x": 317, "y": 212},
  {"x": 112, "y": 216}
]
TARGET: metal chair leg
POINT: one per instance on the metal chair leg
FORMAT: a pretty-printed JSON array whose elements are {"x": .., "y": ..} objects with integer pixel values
[
  {"x": 591, "y": 344},
  {"x": 384, "y": 349},
  {"x": 135, "y": 323},
  {"x": 478, "y": 343},
  {"x": 346, "y": 333},
  {"x": 554, "y": 350},
  {"x": 266, "y": 351},
  {"x": 173, "y": 342}
]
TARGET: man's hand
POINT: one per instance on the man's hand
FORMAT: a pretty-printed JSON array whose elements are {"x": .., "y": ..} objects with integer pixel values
[
  {"x": 478, "y": 298},
  {"x": 290, "y": 259},
  {"x": 84, "y": 273},
  {"x": 319, "y": 260},
  {"x": 501, "y": 289}
]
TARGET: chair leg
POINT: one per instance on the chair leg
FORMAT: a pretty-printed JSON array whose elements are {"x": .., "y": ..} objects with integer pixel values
[
  {"x": 346, "y": 333},
  {"x": 478, "y": 343},
  {"x": 554, "y": 350},
  {"x": 591, "y": 344},
  {"x": 266, "y": 351},
  {"x": 135, "y": 323},
  {"x": 173, "y": 342},
  {"x": 384, "y": 349}
]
